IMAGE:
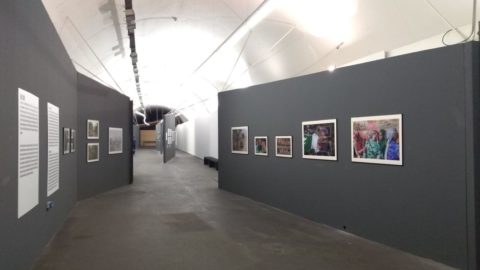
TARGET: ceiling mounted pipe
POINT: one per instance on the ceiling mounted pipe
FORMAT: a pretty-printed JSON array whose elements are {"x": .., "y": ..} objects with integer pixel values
[{"x": 131, "y": 26}]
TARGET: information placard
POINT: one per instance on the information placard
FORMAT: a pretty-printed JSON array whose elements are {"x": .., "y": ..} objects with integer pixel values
[
  {"x": 53, "y": 149},
  {"x": 28, "y": 151}
]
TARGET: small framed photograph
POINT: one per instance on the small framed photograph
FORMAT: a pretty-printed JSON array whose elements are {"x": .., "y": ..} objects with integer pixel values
[
  {"x": 261, "y": 145},
  {"x": 320, "y": 139},
  {"x": 283, "y": 146},
  {"x": 240, "y": 140},
  {"x": 377, "y": 139},
  {"x": 73, "y": 140},
  {"x": 93, "y": 152},
  {"x": 66, "y": 141},
  {"x": 93, "y": 129},
  {"x": 115, "y": 140}
]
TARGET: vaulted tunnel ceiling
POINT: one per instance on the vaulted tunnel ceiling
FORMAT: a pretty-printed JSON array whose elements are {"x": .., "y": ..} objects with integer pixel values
[
  {"x": 153, "y": 114},
  {"x": 174, "y": 37}
]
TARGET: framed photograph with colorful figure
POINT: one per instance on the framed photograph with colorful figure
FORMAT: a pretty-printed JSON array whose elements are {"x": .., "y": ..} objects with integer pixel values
[
  {"x": 320, "y": 139},
  {"x": 377, "y": 139},
  {"x": 261, "y": 145},
  {"x": 283, "y": 146}
]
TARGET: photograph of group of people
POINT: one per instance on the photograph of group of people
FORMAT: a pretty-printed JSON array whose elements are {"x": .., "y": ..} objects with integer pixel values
[
  {"x": 375, "y": 139},
  {"x": 319, "y": 139}
]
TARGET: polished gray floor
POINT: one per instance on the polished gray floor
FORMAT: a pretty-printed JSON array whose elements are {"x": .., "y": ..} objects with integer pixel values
[{"x": 174, "y": 217}]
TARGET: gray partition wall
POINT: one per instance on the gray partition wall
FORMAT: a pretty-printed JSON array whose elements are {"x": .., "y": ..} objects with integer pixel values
[
  {"x": 34, "y": 59},
  {"x": 136, "y": 136},
  {"x": 159, "y": 136},
  {"x": 111, "y": 109},
  {"x": 426, "y": 206},
  {"x": 169, "y": 139}
]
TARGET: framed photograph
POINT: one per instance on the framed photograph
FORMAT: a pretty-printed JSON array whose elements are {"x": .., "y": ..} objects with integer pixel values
[
  {"x": 93, "y": 152},
  {"x": 261, "y": 145},
  {"x": 320, "y": 139},
  {"x": 115, "y": 140},
  {"x": 240, "y": 140},
  {"x": 93, "y": 129},
  {"x": 66, "y": 141},
  {"x": 73, "y": 141},
  {"x": 377, "y": 139},
  {"x": 283, "y": 146}
]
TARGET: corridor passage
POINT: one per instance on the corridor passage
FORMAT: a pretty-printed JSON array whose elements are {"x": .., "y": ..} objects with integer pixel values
[{"x": 175, "y": 217}]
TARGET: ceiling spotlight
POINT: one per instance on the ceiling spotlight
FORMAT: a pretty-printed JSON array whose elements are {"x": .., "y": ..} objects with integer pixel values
[{"x": 331, "y": 68}]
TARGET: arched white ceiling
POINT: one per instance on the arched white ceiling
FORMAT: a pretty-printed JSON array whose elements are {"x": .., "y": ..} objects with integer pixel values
[{"x": 298, "y": 37}]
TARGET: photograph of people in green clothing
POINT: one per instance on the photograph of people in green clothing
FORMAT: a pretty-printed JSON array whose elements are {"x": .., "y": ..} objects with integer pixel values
[
  {"x": 261, "y": 145},
  {"x": 240, "y": 140},
  {"x": 320, "y": 139},
  {"x": 377, "y": 139}
]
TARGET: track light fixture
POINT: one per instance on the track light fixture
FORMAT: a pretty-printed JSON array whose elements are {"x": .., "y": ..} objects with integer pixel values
[{"x": 131, "y": 26}]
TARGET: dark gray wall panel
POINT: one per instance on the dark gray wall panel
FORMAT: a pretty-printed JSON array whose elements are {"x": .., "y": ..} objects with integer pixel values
[
  {"x": 472, "y": 114},
  {"x": 33, "y": 58},
  {"x": 112, "y": 109},
  {"x": 419, "y": 207},
  {"x": 159, "y": 136},
  {"x": 136, "y": 136},
  {"x": 169, "y": 149}
]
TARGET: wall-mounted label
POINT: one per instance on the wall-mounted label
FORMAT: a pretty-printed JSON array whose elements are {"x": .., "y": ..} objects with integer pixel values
[{"x": 28, "y": 151}]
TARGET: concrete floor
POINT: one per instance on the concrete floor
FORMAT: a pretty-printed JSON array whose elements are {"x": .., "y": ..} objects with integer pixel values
[{"x": 174, "y": 217}]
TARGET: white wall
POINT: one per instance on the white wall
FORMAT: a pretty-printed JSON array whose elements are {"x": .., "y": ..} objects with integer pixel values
[
  {"x": 199, "y": 137},
  {"x": 432, "y": 42},
  {"x": 421, "y": 45}
]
